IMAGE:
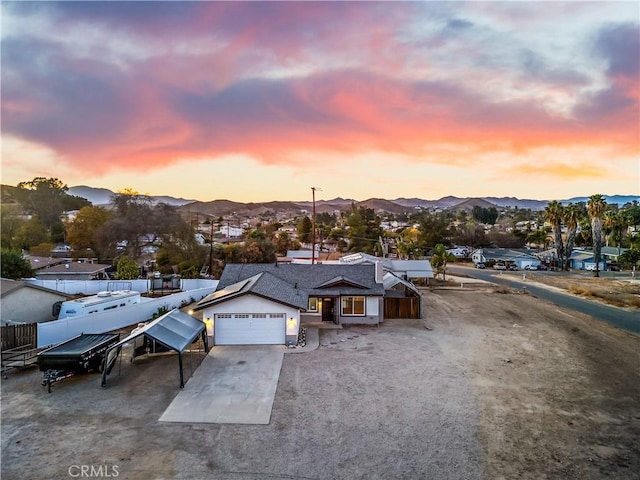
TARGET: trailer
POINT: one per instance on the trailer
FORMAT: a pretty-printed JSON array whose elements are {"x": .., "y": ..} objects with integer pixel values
[
  {"x": 81, "y": 354},
  {"x": 100, "y": 302},
  {"x": 19, "y": 357}
]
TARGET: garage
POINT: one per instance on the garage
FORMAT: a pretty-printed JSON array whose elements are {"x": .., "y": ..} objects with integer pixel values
[{"x": 249, "y": 329}]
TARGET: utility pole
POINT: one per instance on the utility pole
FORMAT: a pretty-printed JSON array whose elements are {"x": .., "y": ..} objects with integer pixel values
[
  {"x": 211, "y": 247},
  {"x": 313, "y": 228}
]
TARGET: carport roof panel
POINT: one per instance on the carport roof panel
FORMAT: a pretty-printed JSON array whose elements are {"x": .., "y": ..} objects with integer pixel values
[{"x": 175, "y": 329}]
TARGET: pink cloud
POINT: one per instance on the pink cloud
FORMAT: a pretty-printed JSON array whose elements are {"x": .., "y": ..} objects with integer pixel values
[{"x": 226, "y": 99}]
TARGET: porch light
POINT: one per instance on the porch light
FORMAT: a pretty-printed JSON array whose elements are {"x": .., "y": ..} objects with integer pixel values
[{"x": 292, "y": 326}]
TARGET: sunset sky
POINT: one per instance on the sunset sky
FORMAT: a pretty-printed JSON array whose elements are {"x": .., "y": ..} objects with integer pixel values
[{"x": 262, "y": 101}]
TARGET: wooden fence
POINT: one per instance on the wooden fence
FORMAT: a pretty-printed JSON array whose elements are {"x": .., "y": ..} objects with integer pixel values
[
  {"x": 407, "y": 307},
  {"x": 14, "y": 336}
]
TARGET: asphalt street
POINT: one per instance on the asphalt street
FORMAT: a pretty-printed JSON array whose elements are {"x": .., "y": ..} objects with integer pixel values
[{"x": 615, "y": 316}]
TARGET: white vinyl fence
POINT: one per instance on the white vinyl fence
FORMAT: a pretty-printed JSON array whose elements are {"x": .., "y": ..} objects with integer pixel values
[
  {"x": 91, "y": 287},
  {"x": 51, "y": 333}
]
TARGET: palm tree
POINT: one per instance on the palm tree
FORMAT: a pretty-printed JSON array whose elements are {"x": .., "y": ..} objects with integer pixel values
[
  {"x": 572, "y": 213},
  {"x": 615, "y": 224},
  {"x": 554, "y": 213},
  {"x": 596, "y": 207}
]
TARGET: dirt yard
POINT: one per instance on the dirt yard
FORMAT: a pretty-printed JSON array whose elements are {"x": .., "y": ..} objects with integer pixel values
[
  {"x": 497, "y": 386},
  {"x": 616, "y": 291}
]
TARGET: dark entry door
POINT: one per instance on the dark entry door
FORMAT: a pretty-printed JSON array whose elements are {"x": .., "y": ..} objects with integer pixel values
[{"x": 328, "y": 310}]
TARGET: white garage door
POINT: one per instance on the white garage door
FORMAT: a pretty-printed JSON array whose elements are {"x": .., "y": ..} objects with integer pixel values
[{"x": 249, "y": 329}]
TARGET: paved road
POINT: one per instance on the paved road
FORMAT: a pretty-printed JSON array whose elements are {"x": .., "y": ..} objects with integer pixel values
[{"x": 615, "y": 316}]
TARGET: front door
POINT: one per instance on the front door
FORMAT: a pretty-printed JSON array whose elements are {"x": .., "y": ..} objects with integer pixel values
[{"x": 328, "y": 310}]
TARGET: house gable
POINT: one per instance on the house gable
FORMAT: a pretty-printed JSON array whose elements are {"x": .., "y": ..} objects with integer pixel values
[{"x": 340, "y": 281}]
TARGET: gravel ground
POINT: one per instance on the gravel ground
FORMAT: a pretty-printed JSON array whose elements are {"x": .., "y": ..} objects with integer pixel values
[{"x": 498, "y": 385}]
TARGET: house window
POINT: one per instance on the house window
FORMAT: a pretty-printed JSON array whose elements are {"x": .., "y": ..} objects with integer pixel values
[
  {"x": 313, "y": 304},
  {"x": 352, "y": 305}
]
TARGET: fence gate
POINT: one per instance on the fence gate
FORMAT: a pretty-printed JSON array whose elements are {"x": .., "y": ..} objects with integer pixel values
[
  {"x": 407, "y": 307},
  {"x": 14, "y": 336}
]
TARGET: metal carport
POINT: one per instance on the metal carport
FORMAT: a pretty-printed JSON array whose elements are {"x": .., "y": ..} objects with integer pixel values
[{"x": 174, "y": 330}]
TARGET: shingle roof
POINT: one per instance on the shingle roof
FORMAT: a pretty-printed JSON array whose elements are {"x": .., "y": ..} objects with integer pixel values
[
  {"x": 310, "y": 278},
  {"x": 73, "y": 267},
  {"x": 262, "y": 284}
]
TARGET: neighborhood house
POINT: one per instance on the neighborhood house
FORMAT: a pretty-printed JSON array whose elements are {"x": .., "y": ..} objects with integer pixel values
[{"x": 267, "y": 303}]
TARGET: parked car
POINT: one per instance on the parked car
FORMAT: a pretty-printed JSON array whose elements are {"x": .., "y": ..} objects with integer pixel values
[
  {"x": 513, "y": 267},
  {"x": 499, "y": 266},
  {"x": 480, "y": 265},
  {"x": 536, "y": 267}
]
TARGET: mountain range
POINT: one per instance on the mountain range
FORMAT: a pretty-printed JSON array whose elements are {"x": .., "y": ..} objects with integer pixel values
[{"x": 102, "y": 196}]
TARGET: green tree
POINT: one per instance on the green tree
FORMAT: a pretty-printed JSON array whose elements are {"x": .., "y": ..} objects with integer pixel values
[
  {"x": 31, "y": 233},
  {"x": 81, "y": 232},
  {"x": 554, "y": 214},
  {"x": 46, "y": 198},
  {"x": 10, "y": 224},
  {"x": 14, "y": 266},
  {"x": 305, "y": 227},
  {"x": 439, "y": 259},
  {"x": 283, "y": 243},
  {"x": 615, "y": 225},
  {"x": 470, "y": 234},
  {"x": 364, "y": 230},
  {"x": 485, "y": 215},
  {"x": 42, "y": 249},
  {"x": 596, "y": 207},
  {"x": 434, "y": 229},
  {"x": 127, "y": 269},
  {"x": 583, "y": 237},
  {"x": 630, "y": 257},
  {"x": 538, "y": 237}
]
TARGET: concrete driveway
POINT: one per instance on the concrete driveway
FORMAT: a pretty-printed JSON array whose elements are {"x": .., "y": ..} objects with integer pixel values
[{"x": 233, "y": 384}]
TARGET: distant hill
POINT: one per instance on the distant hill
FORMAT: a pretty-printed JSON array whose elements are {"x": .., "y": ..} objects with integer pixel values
[
  {"x": 611, "y": 199},
  {"x": 513, "y": 202},
  {"x": 470, "y": 203},
  {"x": 97, "y": 196},
  {"x": 382, "y": 205},
  {"x": 102, "y": 196}
]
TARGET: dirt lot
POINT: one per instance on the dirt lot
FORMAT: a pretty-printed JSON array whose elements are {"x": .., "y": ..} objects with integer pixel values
[
  {"x": 499, "y": 386},
  {"x": 612, "y": 290}
]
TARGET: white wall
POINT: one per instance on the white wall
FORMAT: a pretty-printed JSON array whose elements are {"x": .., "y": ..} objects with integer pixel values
[
  {"x": 247, "y": 304},
  {"x": 91, "y": 287},
  {"x": 51, "y": 333}
]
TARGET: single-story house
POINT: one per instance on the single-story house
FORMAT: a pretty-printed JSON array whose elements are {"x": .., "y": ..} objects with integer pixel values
[
  {"x": 39, "y": 263},
  {"x": 405, "y": 269},
  {"x": 266, "y": 303},
  {"x": 74, "y": 271},
  {"x": 612, "y": 253},
  {"x": 25, "y": 303},
  {"x": 584, "y": 260},
  {"x": 517, "y": 257}
]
